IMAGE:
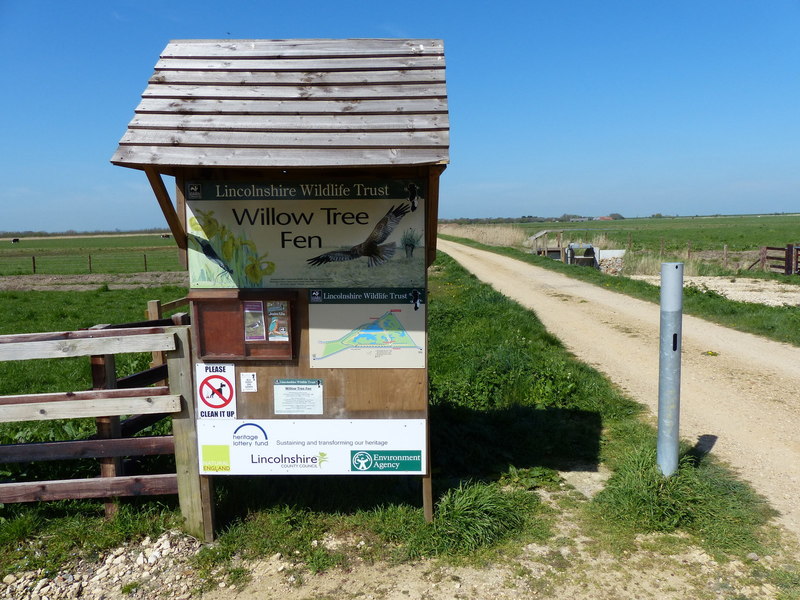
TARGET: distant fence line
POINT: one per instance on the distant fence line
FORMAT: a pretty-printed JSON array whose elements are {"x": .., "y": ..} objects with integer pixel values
[{"x": 99, "y": 262}]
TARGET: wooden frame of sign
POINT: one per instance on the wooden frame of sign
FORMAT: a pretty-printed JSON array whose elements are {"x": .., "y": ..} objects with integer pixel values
[{"x": 307, "y": 177}]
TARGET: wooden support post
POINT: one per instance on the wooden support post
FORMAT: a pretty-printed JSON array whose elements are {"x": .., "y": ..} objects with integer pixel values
[
  {"x": 154, "y": 313},
  {"x": 432, "y": 209},
  {"x": 195, "y": 492},
  {"x": 104, "y": 378},
  {"x": 725, "y": 256},
  {"x": 427, "y": 497},
  {"x": 787, "y": 265},
  {"x": 174, "y": 220},
  {"x": 559, "y": 239},
  {"x": 762, "y": 258},
  {"x": 427, "y": 482}
]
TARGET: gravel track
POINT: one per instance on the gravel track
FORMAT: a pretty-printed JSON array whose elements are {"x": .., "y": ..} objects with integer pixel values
[{"x": 738, "y": 391}]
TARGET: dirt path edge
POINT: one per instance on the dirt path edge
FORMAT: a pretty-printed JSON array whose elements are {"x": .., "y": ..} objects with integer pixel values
[{"x": 738, "y": 391}]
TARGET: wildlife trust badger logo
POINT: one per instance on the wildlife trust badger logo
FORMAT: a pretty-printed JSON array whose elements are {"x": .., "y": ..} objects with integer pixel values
[{"x": 194, "y": 191}]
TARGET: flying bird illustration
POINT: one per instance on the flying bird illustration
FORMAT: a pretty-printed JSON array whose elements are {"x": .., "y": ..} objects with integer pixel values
[
  {"x": 373, "y": 248},
  {"x": 209, "y": 252},
  {"x": 412, "y": 196}
]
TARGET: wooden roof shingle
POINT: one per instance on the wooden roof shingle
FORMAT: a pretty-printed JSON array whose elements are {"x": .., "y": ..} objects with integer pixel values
[{"x": 292, "y": 103}]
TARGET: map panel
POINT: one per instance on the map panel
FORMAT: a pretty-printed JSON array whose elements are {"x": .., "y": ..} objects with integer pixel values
[{"x": 361, "y": 336}]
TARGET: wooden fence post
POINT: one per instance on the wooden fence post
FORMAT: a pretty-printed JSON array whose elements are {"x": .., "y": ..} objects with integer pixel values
[
  {"x": 195, "y": 492},
  {"x": 787, "y": 266},
  {"x": 154, "y": 313},
  {"x": 725, "y": 256},
  {"x": 762, "y": 258},
  {"x": 104, "y": 377},
  {"x": 796, "y": 259}
]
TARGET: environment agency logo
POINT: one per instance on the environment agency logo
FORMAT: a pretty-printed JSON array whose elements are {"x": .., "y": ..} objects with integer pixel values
[
  {"x": 362, "y": 461},
  {"x": 386, "y": 460}
]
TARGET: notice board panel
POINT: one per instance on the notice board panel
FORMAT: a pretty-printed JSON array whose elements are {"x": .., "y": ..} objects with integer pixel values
[{"x": 326, "y": 234}]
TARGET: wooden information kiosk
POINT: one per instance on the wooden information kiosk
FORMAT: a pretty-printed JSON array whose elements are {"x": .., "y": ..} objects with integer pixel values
[{"x": 307, "y": 182}]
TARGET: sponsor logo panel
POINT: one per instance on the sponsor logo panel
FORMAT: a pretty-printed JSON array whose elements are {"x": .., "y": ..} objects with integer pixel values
[{"x": 312, "y": 447}]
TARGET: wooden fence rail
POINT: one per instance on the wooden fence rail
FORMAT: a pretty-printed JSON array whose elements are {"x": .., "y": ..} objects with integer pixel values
[
  {"x": 109, "y": 261},
  {"x": 111, "y": 399}
]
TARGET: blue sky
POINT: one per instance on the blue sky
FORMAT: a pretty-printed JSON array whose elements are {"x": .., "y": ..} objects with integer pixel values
[{"x": 565, "y": 106}]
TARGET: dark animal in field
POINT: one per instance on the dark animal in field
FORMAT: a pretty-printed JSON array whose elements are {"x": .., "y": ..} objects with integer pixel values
[
  {"x": 211, "y": 254},
  {"x": 372, "y": 248},
  {"x": 15, "y": 241}
]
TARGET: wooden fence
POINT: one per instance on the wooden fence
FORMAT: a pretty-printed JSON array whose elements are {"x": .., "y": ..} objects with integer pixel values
[
  {"x": 785, "y": 260},
  {"x": 125, "y": 261},
  {"x": 110, "y": 399}
]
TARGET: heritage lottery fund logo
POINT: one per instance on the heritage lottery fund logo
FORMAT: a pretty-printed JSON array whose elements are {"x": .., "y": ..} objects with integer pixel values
[{"x": 386, "y": 460}]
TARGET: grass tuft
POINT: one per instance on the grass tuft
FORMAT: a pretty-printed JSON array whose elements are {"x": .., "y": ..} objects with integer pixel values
[
  {"x": 470, "y": 517},
  {"x": 701, "y": 498}
]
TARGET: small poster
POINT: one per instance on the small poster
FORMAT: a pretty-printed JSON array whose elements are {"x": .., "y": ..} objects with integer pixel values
[
  {"x": 216, "y": 392},
  {"x": 298, "y": 397},
  {"x": 278, "y": 315},
  {"x": 249, "y": 382},
  {"x": 254, "y": 330}
]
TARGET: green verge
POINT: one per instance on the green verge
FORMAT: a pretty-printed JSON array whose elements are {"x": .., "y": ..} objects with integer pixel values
[
  {"x": 509, "y": 407},
  {"x": 780, "y": 323},
  {"x": 743, "y": 232}
]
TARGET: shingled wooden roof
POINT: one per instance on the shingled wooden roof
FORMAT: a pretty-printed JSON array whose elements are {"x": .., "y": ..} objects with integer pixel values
[{"x": 292, "y": 103}]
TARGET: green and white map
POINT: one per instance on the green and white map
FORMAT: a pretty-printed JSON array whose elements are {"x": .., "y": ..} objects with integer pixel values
[{"x": 367, "y": 336}]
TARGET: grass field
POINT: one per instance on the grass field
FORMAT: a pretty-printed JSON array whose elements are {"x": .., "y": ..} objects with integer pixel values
[
  {"x": 706, "y": 245},
  {"x": 96, "y": 254},
  {"x": 506, "y": 411},
  {"x": 703, "y": 233}
]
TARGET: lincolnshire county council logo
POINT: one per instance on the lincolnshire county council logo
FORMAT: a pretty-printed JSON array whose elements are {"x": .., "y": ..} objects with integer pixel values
[
  {"x": 316, "y": 295},
  {"x": 362, "y": 461}
]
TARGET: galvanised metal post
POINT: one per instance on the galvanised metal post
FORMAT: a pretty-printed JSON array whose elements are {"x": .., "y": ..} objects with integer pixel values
[{"x": 669, "y": 367}]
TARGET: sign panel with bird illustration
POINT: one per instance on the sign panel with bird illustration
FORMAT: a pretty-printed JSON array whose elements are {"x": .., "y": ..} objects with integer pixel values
[{"x": 303, "y": 235}]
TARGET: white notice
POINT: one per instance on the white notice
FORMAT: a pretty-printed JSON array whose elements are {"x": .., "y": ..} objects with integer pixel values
[
  {"x": 298, "y": 397},
  {"x": 248, "y": 382}
]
